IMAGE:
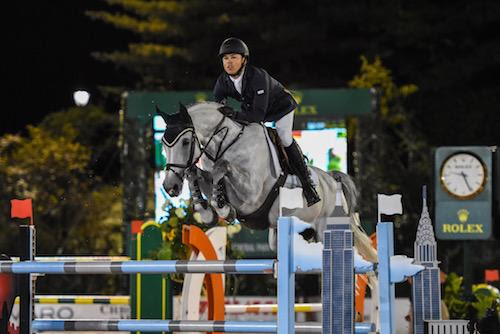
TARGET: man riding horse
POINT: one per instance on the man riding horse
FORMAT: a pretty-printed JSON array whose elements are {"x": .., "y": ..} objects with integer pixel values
[{"x": 263, "y": 99}]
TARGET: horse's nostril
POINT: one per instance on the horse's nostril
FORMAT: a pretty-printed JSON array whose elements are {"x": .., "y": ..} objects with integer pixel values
[{"x": 174, "y": 191}]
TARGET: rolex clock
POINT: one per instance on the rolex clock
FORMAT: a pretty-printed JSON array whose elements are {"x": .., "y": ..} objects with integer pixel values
[
  {"x": 463, "y": 192},
  {"x": 463, "y": 175}
]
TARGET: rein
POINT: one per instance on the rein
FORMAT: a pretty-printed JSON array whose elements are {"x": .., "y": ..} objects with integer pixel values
[{"x": 217, "y": 130}]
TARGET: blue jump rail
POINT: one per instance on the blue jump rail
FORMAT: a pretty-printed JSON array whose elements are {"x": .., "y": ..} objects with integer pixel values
[
  {"x": 180, "y": 326},
  {"x": 140, "y": 267}
]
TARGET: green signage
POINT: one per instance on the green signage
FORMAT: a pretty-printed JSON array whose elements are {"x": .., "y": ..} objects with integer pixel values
[
  {"x": 332, "y": 103},
  {"x": 463, "y": 192}
]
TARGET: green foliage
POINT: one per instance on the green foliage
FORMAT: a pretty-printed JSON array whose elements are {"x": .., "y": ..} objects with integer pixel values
[
  {"x": 376, "y": 75},
  {"x": 460, "y": 302},
  {"x": 454, "y": 297},
  {"x": 392, "y": 155},
  {"x": 76, "y": 211},
  {"x": 173, "y": 248},
  {"x": 94, "y": 129},
  {"x": 46, "y": 168}
]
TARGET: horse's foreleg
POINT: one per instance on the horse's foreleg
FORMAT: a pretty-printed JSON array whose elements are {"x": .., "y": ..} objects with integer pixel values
[
  {"x": 220, "y": 202},
  {"x": 219, "y": 198},
  {"x": 200, "y": 204}
]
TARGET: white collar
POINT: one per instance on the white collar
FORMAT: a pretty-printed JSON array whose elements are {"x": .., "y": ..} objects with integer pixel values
[{"x": 239, "y": 77}]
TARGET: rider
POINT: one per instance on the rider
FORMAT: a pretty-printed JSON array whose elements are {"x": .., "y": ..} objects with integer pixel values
[{"x": 262, "y": 99}]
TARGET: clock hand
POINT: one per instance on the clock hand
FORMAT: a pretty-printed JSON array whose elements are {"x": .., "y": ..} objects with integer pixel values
[{"x": 465, "y": 179}]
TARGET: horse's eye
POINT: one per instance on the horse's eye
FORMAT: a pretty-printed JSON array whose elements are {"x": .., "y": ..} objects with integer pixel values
[{"x": 185, "y": 142}]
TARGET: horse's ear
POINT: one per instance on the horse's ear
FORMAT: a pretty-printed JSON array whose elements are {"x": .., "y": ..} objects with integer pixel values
[
  {"x": 184, "y": 113},
  {"x": 163, "y": 115},
  {"x": 182, "y": 108}
]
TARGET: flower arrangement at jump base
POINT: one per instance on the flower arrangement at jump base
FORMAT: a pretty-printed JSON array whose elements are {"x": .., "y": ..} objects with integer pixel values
[{"x": 173, "y": 248}]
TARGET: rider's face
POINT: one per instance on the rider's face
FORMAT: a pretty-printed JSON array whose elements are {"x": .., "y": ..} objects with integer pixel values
[{"x": 232, "y": 62}]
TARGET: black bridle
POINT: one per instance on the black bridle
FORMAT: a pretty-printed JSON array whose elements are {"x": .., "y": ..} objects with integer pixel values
[{"x": 191, "y": 161}]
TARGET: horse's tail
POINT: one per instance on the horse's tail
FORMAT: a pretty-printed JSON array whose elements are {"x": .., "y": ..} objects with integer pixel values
[
  {"x": 349, "y": 189},
  {"x": 361, "y": 239}
]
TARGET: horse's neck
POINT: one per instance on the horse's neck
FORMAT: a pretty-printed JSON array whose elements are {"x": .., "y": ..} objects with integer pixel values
[{"x": 218, "y": 136}]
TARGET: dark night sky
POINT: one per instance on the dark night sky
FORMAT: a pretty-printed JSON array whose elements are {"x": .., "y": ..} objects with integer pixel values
[{"x": 47, "y": 56}]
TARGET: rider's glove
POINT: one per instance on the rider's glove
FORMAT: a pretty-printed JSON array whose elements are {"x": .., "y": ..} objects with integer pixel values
[{"x": 228, "y": 111}]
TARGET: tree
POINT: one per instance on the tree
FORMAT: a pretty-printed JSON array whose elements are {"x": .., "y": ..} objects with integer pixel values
[
  {"x": 76, "y": 213},
  {"x": 96, "y": 130},
  {"x": 392, "y": 154},
  {"x": 450, "y": 51},
  {"x": 176, "y": 42}
]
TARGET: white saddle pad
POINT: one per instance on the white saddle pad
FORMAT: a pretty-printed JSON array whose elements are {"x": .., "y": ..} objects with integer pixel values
[
  {"x": 275, "y": 163},
  {"x": 292, "y": 181}
]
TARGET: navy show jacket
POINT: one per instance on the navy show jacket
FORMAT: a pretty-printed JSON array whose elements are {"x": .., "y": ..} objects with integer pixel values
[{"x": 262, "y": 97}]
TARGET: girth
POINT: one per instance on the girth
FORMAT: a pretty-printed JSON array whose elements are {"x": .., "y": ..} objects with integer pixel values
[{"x": 259, "y": 219}]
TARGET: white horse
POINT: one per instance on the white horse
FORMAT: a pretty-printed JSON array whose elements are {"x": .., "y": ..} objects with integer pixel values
[{"x": 235, "y": 174}]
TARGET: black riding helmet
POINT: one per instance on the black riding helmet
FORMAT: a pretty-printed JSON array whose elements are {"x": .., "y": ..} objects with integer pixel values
[{"x": 234, "y": 45}]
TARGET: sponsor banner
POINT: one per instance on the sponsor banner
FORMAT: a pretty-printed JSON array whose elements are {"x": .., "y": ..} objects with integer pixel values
[
  {"x": 75, "y": 311},
  {"x": 115, "y": 312}
]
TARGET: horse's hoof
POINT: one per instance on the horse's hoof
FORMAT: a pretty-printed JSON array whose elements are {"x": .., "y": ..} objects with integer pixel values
[
  {"x": 231, "y": 216},
  {"x": 213, "y": 221},
  {"x": 207, "y": 215},
  {"x": 224, "y": 211}
]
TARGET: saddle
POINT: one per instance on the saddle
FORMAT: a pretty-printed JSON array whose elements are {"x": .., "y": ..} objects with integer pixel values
[{"x": 280, "y": 150}]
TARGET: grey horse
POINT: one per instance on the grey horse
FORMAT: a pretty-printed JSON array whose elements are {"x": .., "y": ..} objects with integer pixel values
[{"x": 205, "y": 146}]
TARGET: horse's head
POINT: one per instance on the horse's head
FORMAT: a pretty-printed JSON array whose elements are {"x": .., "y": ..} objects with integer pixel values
[{"x": 181, "y": 147}]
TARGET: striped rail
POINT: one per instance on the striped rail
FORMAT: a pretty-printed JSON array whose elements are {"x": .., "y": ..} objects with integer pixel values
[
  {"x": 70, "y": 299},
  {"x": 143, "y": 267},
  {"x": 180, "y": 326},
  {"x": 270, "y": 308}
]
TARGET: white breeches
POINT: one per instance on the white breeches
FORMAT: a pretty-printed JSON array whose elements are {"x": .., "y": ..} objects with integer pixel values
[{"x": 284, "y": 128}]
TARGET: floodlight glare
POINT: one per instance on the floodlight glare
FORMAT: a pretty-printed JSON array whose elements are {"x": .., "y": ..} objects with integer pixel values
[{"x": 81, "y": 98}]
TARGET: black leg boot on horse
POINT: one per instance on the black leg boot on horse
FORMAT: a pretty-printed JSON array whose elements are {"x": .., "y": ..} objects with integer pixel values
[{"x": 299, "y": 168}]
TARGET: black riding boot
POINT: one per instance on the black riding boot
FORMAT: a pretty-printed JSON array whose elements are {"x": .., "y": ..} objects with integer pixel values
[{"x": 300, "y": 169}]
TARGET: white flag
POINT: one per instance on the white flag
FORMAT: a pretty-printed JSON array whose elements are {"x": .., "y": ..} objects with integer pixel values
[
  {"x": 291, "y": 198},
  {"x": 389, "y": 204}
]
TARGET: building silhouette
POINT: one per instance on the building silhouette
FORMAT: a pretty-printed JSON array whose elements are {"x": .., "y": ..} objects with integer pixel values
[
  {"x": 426, "y": 287},
  {"x": 338, "y": 279}
]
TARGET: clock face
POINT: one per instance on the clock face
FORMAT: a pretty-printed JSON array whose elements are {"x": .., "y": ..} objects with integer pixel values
[{"x": 463, "y": 175}]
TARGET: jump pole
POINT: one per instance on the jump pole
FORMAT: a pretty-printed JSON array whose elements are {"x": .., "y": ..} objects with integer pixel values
[
  {"x": 284, "y": 270},
  {"x": 283, "y": 267},
  {"x": 26, "y": 282}
]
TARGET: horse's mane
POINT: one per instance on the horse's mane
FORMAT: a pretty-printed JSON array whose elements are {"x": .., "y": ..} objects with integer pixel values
[{"x": 199, "y": 105}]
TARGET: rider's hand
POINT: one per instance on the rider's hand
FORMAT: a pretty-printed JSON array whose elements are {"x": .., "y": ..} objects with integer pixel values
[{"x": 227, "y": 111}]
